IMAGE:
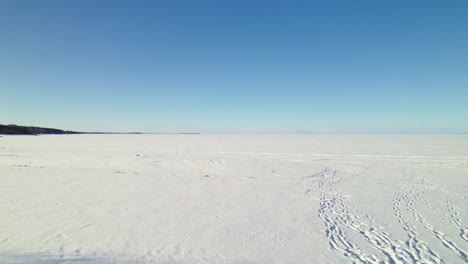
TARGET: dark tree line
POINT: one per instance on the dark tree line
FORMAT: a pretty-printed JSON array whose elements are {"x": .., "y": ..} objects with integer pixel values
[{"x": 31, "y": 130}]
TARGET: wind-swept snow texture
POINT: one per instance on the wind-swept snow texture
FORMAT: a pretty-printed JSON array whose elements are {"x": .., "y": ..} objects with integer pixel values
[{"x": 233, "y": 199}]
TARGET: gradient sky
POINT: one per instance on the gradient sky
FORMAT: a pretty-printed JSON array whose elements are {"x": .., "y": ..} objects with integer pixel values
[{"x": 236, "y": 66}]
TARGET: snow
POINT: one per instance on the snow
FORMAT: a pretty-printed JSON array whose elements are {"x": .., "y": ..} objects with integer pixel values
[{"x": 233, "y": 199}]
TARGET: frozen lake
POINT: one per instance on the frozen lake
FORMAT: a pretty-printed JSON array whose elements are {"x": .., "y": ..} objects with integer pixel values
[{"x": 233, "y": 199}]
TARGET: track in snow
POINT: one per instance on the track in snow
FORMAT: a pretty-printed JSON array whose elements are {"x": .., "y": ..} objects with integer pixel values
[
  {"x": 414, "y": 187},
  {"x": 343, "y": 224}
]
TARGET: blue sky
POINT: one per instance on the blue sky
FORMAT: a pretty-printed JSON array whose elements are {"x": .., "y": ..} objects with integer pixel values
[{"x": 236, "y": 66}]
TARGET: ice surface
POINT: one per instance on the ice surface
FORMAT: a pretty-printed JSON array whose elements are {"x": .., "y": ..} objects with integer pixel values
[{"x": 233, "y": 199}]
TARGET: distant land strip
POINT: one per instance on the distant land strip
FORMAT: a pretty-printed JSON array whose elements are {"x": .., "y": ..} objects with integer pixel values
[{"x": 32, "y": 130}]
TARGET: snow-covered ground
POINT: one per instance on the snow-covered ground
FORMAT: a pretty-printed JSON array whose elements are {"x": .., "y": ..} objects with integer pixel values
[{"x": 233, "y": 199}]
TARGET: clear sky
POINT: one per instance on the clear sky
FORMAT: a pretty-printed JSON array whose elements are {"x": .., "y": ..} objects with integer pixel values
[{"x": 236, "y": 66}]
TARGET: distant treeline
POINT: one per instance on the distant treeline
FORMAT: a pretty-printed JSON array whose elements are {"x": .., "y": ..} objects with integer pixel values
[{"x": 31, "y": 130}]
